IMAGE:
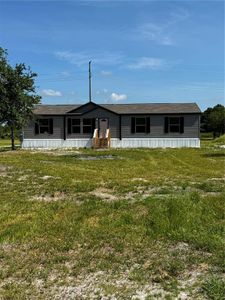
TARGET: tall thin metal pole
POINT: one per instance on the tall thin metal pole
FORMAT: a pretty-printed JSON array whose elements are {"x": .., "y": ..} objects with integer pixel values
[{"x": 89, "y": 81}]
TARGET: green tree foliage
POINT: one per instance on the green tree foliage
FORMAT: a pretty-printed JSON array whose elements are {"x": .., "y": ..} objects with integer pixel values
[
  {"x": 17, "y": 94},
  {"x": 213, "y": 120},
  {"x": 4, "y": 131}
]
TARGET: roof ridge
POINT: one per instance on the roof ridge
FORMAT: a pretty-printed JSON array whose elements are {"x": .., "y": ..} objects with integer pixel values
[
  {"x": 59, "y": 104},
  {"x": 158, "y": 103},
  {"x": 135, "y": 103}
]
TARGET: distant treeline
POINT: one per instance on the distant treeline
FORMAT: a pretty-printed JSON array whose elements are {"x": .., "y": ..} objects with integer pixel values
[{"x": 213, "y": 120}]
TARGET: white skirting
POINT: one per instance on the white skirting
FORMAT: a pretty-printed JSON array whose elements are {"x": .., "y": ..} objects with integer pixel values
[
  {"x": 56, "y": 143},
  {"x": 115, "y": 143},
  {"x": 155, "y": 143}
]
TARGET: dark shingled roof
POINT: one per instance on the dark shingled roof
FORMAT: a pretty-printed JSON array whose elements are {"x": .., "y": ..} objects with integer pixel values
[
  {"x": 137, "y": 108},
  {"x": 53, "y": 109},
  {"x": 153, "y": 108}
]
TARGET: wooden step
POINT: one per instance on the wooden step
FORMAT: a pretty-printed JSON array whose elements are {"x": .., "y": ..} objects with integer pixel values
[{"x": 101, "y": 143}]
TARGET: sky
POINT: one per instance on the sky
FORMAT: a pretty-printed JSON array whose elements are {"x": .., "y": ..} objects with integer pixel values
[{"x": 141, "y": 51}]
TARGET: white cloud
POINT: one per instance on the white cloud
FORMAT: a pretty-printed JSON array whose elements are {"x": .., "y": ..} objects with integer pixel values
[
  {"x": 118, "y": 97},
  {"x": 200, "y": 86},
  {"x": 153, "y": 32},
  {"x": 51, "y": 93},
  {"x": 82, "y": 58},
  {"x": 103, "y": 91},
  {"x": 106, "y": 73},
  {"x": 162, "y": 33},
  {"x": 149, "y": 63}
]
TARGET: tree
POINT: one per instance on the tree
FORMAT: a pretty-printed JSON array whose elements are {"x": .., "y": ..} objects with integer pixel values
[
  {"x": 4, "y": 131},
  {"x": 17, "y": 94},
  {"x": 213, "y": 120}
]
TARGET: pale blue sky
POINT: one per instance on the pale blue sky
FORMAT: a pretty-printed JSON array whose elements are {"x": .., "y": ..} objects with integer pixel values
[{"x": 141, "y": 51}]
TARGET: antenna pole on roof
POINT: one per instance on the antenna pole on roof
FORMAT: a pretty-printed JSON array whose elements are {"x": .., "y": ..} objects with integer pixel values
[{"x": 89, "y": 81}]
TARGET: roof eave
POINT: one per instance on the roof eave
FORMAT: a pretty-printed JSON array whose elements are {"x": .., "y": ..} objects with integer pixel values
[{"x": 124, "y": 114}]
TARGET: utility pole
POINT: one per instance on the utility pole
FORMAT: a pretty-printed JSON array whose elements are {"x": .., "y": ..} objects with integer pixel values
[{"x": 89, "y": 81}]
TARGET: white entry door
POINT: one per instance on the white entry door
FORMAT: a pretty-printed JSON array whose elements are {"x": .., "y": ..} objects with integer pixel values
[{"x": 103, "y": 126}]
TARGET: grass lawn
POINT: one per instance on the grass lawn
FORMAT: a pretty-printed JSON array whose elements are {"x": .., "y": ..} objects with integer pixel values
[
  {"x": 116, "y": 224},
  {"x": 7, "y": 143}
]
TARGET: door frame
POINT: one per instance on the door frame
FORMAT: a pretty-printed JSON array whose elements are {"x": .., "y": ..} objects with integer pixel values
[{"x": 99, "y": 124}]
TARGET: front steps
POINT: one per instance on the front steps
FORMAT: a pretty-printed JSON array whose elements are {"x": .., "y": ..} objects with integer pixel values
[{"x": 101, "y": 143}]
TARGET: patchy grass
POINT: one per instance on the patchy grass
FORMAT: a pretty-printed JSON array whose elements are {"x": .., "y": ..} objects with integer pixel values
[
  {"x": 217, "y": 142},
  {"x": 128, "y": 224},
  {"x": 6, "y": 143},
  {"x": 220, "y": 140},
  {"x": 207, "y": 136},
  {"x": 214, "y": 288}
]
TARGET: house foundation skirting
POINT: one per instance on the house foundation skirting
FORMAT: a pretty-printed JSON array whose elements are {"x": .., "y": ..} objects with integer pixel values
[
  {"x": 115, "y": 143},
  {"x": 155, "y": 143}
]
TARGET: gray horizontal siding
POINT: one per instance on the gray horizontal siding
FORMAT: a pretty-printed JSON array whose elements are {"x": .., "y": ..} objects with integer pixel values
[
  {"x": 29, "y": 131},
  {"x": 99, "y": 113},
  {"x": 191, "y": 127}
]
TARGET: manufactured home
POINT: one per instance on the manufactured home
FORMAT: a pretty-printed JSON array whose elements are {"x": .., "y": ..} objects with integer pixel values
[{"x": 149, "y": 125}]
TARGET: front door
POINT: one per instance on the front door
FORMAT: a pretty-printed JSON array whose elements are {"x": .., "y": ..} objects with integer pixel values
[{"x": 103, "y": 126}]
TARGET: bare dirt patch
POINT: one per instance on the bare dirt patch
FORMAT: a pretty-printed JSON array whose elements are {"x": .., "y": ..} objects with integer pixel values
[
  {"x": 4, "y": 170},
  {"x": 189, "y": 281},
  {"x": 63, "y": 283},
  {"x": 46, "y": 162},
  {"x": 217, "y": 179},
  {"x": 103, "y": 285},
  {"x": 139, "y": 179},
  {"x": 99, "y": 157},
  {"x": 145, "y": 192},
  {"x": 104, "y": 194},
  {"x": 108, "y": 285},
  {"x": 46, "y": 177},
  {"x": 50, "y": 198},
  {"x": 57, "y": 152},
  {"x": 206, "y": 194},
  {"x": 23, "y": 178}
]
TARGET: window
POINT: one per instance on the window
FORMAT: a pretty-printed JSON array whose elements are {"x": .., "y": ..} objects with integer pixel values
[
  {"x": 174, "y": 124},
  {"x": 43, "y": 126},
  {"x": 140, "y": 125},
  {"x": 75, "y": 125},
  {"x": 87, "y": 126}
]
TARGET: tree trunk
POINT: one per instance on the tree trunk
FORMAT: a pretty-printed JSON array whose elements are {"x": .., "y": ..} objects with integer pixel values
[{"x": 12, "y": 138}]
